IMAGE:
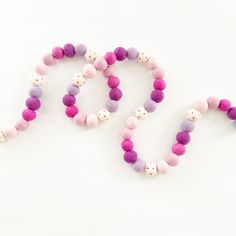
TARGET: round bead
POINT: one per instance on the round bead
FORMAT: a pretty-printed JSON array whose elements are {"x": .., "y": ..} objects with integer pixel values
[
  {"x": 35, "y": 92},
  {"x": 69, "y": 50},
  {"x": 110, "y": 57},
  {"x": 232, "y": 113},
  {"x": 90, "y": 56},
  {"x": 150, "y": 105},
  {"x": 157, "y": 73},
  {"x": 127, "y": 145},
  {"x": 112, "y": 105},
  {"x": 73, "y": 90},
  {"x": 213, "y": 102},
  {"x": 159, "y": 84},
  {"x": 132, "y": 53},
  {"x": 57, "y": 53},
  {"x": 201, "y": 105},
  {"x": 143, "y": 57},
  {"x": 89, "y": 71},
  {"x": 37, "y": 80},
  {"x": 224, "y": 105},
  {"x": 22, "y": 125},
  {"x": 33, "y": 103},
  {"x": 48, "y": 59},
  {"x": 140, "y": 113},
  {"x": 28, "y": 115},
  {"x": 151, "y": 168},
  {"x": 79, "y": 119},
  {"x": 2, "y": 137},
  {"x": 187, "y": 125},
  {"x": 139, "y": 165},
  {"x": 113, "y": 82},
  {"x": 157, "y": 95},
  {"x": 162, "y": 167},
  {"x": 41, "y": 69},
  {"x": 104, "y": 115},
  {"x": 130, "y": 156},
  {"x": 121, "y": 53},
  {"x": 172, "y": 160},
  {"x": 193, "y": 114},
  {"x": 132, "y": 122},
  {"x": 79, "y": 79},
  {"x": 80, "y": 49},
  {"x": 115, "y": 94},
  {"x": 68, "y": 100},
  {"x": 109, "y": 71},
  {"x": 92, "y": 121},
  {"x": 178, "y": 149},
  {"x": 151, "y": 63},
  {"x": 100, "y": 64},
  {"x": 10, "y": 132},
  {"x": 71, "y": 111},
  {"x": 127, "y": 133},
  {"x": 183, "y": 137}
]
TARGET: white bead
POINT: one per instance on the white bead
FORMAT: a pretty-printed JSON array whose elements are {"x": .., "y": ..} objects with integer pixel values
[
  {"x": 90, "y": 56},
  {"x": 78, "y": 79},
  {"x": 140, "y": 113},
  {"x": 143, "y": 57},
  {"x": 193, "y": 114},
  {"x": 2, "y": 137},
  {"x": 104, "y": 115},
  {"x": 37, "y": 80},
  {"x": 151, "y": 168}
]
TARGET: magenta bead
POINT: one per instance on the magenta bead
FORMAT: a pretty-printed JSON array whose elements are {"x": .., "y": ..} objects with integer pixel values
[
  {"x": 33, "y": 103},
  {"x": 69, "y": 50},
  {"x": 159, "y": 84},
  {"x": 121, "y": 53},
  {"x": 57, "y": 53},
  {"x": 69, "y": 100},
  {"x": 28, "y": 115},
  {"x": 115, "y": 94},
  {"x": 71, "y": 111},
  {"x": 113, "y": 82},
  {"x": 110, "y": 57},
  {"x": 183, "y": 137},
  {"x": 224, "y": 105},
  {"x": 127, "y": 145},
  {"x": 157, "y": 95},
  {"x": 178, "y": 149},
  {"x": 130, "y": 157},
  {"x": 232, "y": 113}
]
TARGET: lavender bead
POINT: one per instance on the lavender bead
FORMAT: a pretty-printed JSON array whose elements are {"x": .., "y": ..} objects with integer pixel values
[
  {"x": 183, "y": 137},
  {"x": 232, "y": 113},
  {"x": 81, "y": 49},
  {"x": 150, "y": 105},
  {"x": 69, "y": 50},
  {"x": 73, "y": 90},
  {"x": 187, "y": 126},
  {"x": 139, "y": 165},
  {"x": 121, "y": 53},
  {"x": 157, "y": 95},
  {"x": 68, "y": 100},
  {"x": 112, "y": 106},
  {"x": 36, "y": 92},
  {"x": 130, "y": 157},
  {"x": 115, "y": 94},
  {"x": 33, "y": 103},
  {"x": 132, "y": 53}
]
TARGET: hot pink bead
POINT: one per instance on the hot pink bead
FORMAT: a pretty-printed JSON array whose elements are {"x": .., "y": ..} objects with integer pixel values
[
  {"x": 71, "y": 111},
  {"x": 178, "y": 149},
  {"x": 22, "y": 125},
  {"x": 92, "y": 121},
  {"x": 157, "y": 73},
  {"x": 41, "y": 69},
  {"x": 10, "y": 132},
  {"x": 224, "y": 105},
  {"x": 132, "y": 122},
  {"x": 151, "y": 63},
  {"x": 113, "y": 82},
  {"x": 127, "y": 145},
  {"x": 48, "y": 59},
  {"x": 127, "y": 133},
  {"x": 100, "y": 63},
  {"x": 57, "y": 53},
  {"x": 110, "y": 57},
  {"x": 79, "y": 119},
  {"x": 201, "y": 105},
  {"x": 213, "y": 102},
  {"x": 162, "y": 167},
  {"x": 89, "y": 71},
  {"x": 172, "y": 160},
  {"x": 28, "y": 115},
  {"x": 159, "y": 84}
]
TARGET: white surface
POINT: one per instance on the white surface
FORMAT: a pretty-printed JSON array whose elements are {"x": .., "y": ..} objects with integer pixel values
[{"x": 58, "y": 179}]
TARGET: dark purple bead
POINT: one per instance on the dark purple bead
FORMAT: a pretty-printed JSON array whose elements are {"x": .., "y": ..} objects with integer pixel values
[
  {"x": 121, "y": 53},
  {"x": 115, "y": 94},
  {"x": 69, "y": 100},
  {"x": 130, "y": 157},
  {"x": 157, "y": 95},
  {"x": 33, "y": 103},
  {"x": 232, "y": 113},
  {"x": 183, "y": 137},
  {"x": 69, "y": 50}
]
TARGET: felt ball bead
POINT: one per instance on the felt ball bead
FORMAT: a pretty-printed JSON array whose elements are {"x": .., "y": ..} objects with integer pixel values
[
  {"x": 224, "y": 105},
  {"x": 213, "y": 102},
  {"x": 22, "y": 125},
  {"x": 100, "y": 64},
  {"x": 41, "y": 69},
  {"x": 35, "y": 92},
  {"x": 187, "y": 125},
  {"x": 33, "y": 103},
  {"x": 201, "y": 105},
  {"x": 132, "y": 122},
  {"x": 157, "y": 95},
  {"x": 178, "y": 149},
  {"x": 10, "y": 132},
  {"x": 110, "y": 57},
  {"x": 157, "y": 73},
  {"x": 79, "y": 79},
  {"x": 113, "y": 82},
  {"x": 151, "y": 168},
  {"x": 232, "y": 113},
  {"x": 139, "y": 165},
  {"x": 48, "y": 59},
  {"x": 130, "y": 156},
  {"x": 183, "y": 137},
  {"x": 92, "y": 121},
  {"x": 80, "y": 49},
  {"x": 57, "y": 53},
  {"x": 115, "y": 94},
  {"x": 89, "y": 71},
  {"x": 150, "y": 105},
  {"x": 79, "y": 119},
  {"x": 68, "y": 100},
  {"x": 37, "y": 80},
  {"x": 69, "y": 50},
  {"x": 2, "y": 137},
  {"x": 162, "y": 167},
  {"x": 104, "y": 115},
  {"x": 71, "y": 111},
  {"x": 151, "y": 63},
  {"x": 127, "y": 145},
  {"x": 28, "y": 115},
  {"x": 159, "y": 84},
  {"x": 132, "y": 53},
  {"x": 109, "y": 71},
  {"x": 172, "y": 160},
  {"x": 143, "y": 57},
  {"x": 112, "y": 105},
  {"x": 73, "y": 90},
  {"x": 193, "y": 114},
  {"x": 140, "y": 113},
  {"x": 90, "y": 56},
  {"x": 127, "y": 133},
  {"x": 121, "y": 53}
]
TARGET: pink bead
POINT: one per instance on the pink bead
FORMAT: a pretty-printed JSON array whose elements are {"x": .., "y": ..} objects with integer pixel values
[
  {"x": 79, "y": 119},
  {"x": 92, "y": 121},
  {"x": 151, "y": 63},
  {"x": 22, "y": 125},
  {"x": 71, "y": 111},
  {"x": 213, "y": 102},
  {"x": 100, "y": 63},
  {"x": 48, "y": 59},
  {"x": 159, "y": 84},
  {"x": 201, "y": 105},
  {"x": 109, "y": 71},
  {"x": 110, "y": 57},
  {"x": 178, "y": 149},
  {"x": 41, "y": 69},
  {"x": 132, "y": 122},
  {"x": 57, "y": 53},
  {"x": 172, "y": 160},
  {"x": 127, "y": 145},
  {"x": 89, "y": 71},
  {"x": 157, "y": 73},
  {"x": 127, "y": 133},
  {"x": 28, "y": 115},
  {"x": 162, "y": 167},
  {"x": 224, "y": 105},
  {"x": 10, "y": 132}
]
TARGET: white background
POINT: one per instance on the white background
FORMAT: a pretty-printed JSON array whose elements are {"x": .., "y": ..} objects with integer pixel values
[{"x": 59, "y": 179}]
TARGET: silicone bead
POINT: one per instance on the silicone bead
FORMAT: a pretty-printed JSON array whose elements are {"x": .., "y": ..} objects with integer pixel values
[
  {"x": 127, "y": 145},
  {"x": 100, "y": 64},
  {"x": 80, "y": 49},
  {"x": 157, "y": 73},
  {"x": 201, "y": 105},
  {"x": 183, "y": 138},
  {"x": 132, "y": 122},
  {"x": 35, "y": 92},
  {"x": 115, "y": 94},
  {"x": 10, "y": 132},
  {"x": 193, "y": 115},
  {"x": 140, "y": 113},
  {"x": 92, "y": 121},
  {"x": 79, "y": 119},
  {"x": 150, "y": 105},
  {"x": 132, "y": 53},
  {"x": 172, "y": 160},
  {"x": 113, "y": 82},
  {"x": 71, "y": 111},
  {"x": 110, "y": 57},
  {"x": 159, "y": 84},
  {"x": 33, "y": 103},
  {"x": 41, "y": 69},
  {"x": 69, "y": 50},
  {"x": 48, "y": 59},
  {"x": 151, "y": 168},
  {"x": 187, "y": 125},
  {"x": 224, "y": 105},
  {"x": 127, "y": 133},
  {"x": 28, "y": 115},
  {"x": 139, "y": 165},
  {"x": 232, "y": 113},
  {"x": 73, "y": 90},
  {"x": 121, "y": 53},
  {"x": 157, "y": 95},
  {"x": 178, "y": 149},
  {"x": 68, "y": 100},
  {"x": 104, "y": 115},
  {"x": 213, "y": 102},
  {"x": 151, "y": 63},
  {"x": 57, "y": 53},
  {"x": 112, "y": 105},
  {"x": 162, "y": 167},
  {"x": 22, "y": 125},
  {"x": 130, "y": 156}
]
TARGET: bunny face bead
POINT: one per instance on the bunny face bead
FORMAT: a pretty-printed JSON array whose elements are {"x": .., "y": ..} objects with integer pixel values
[
  {"x": 140, "y": 113},
  {"x": 2, "y": 137},
  {"x": 143, "y": 57},
  {"x": 104, "y": 115},
  {"x": 151, "y": 168},
  {"x": 78, "y": 79},
  {"x": 37, "y": 80},
  {"x": 91, "y": 56},
  {"x": 193, "y": 114}
]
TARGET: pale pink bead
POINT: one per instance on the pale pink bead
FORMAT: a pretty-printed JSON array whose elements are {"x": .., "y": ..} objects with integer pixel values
[
  {"x": 157, "y": 73},
  {"x": 201, "y": 105},
  {"x": 132, "y": 122},
  {"x": 89, "y": 71},
  {"x": 172, "y": 160},
  {"x": 48, "y": 59},
  {"x": 109, "y": 71},
  {"x": 22, "y": 125},
  {"x": 79, "y": 119},
  {"x": 92, "y": 121},
  {"x": 162, "y": 167},
  {"x": 41, "y": 69},
  {"x": 127, "y": 133},
  {"x": 100, "y": 63},
  {"x": 151, "y": 63},
  {"x": 10, "y": 132},
  {"x": 213, "y": 102}
]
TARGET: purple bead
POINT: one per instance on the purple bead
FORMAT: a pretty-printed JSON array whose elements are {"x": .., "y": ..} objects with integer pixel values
[
  {"x": 232, "y": 113},
  {"x": 139, "y": 165},
  {"x": 130, "y": 157},
  {"x": 33, "y": 103},
  {"x": 183, "y": 137},
  {"x": 132, "y": 53},
  {"x": 36, "y": 92},
  {"x": 115, "y": 94},
  {"x": 121, "y": 53},
  {"x": 73, "y": 90},
  {"x": 112, "y": 106},
  {"x": 81, "y": 49},
  {"x": 187, "y": 125},
  {"x": 157, "y": 95},
  {"x": 150, "y": 105},
  {"x": 69, "y": 50},
  {"x": 68, "y": 100}
]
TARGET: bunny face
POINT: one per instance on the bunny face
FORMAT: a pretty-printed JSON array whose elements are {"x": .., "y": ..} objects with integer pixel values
[
  {"x": 143, "y": 57},
  {"x": 140, "y": 113},
  {"x": 91, "y": 56},
  {"x": 78, "y": 79},
  {"x": 104, "y": 115},
  {"x": 37, "y": 80},
  {"x": 151, "y": 168},
  {"x": 193, "y": 114}
]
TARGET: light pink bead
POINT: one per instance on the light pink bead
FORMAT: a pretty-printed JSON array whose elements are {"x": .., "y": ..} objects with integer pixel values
[
  {"x": 213, "y": 102},
  {"x": 172, "y": 160},
  {"x": 157, "y": 73},
  {"x": 10, "y": 132},
  {"x": 92, "y": 121},
  {"x": 79, "y": 119},
  {"x": 109, "y": 71},
  {"x": 89, "y": 71},
  {"x": 162, "y": 167},
  {"x": 100, "y": 63},
  {"x": 132, "y": 122},
  {"x": 201, "y": 105},
  {"x": 41, "y": 69},
  {"x": 127, "y": 133},
  {"x": 22, "y": 125},
  {"x": 48, "y": 59},
  {"x": 151, "y": 63}
]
